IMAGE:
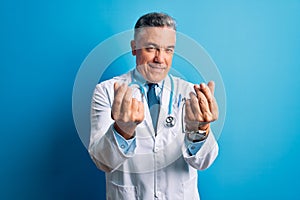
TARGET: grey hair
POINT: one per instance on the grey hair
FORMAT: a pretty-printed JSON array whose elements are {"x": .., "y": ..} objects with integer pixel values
[{"x": 154, "y": 19}]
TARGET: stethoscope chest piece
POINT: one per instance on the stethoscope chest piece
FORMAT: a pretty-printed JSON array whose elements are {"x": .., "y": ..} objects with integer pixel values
[{"x": 170, "y": 121}]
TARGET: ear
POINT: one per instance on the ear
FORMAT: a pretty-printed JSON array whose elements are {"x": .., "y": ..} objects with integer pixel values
[{"x": 133, "y": 47}]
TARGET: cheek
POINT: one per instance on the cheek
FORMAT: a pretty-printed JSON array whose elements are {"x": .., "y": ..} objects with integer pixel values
[
  {"x": 169, "y": 61},
  {"x": 143, "y": 57}
]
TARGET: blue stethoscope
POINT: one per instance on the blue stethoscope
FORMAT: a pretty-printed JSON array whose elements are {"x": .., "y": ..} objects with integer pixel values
[{"x": 170, "y": 119}]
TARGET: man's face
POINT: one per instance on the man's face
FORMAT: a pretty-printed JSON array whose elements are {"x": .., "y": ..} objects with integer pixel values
[{"x": 154, "y": 49}]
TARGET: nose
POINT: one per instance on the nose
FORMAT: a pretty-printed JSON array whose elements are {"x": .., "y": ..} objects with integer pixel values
[{"x": 159, "y": 56}]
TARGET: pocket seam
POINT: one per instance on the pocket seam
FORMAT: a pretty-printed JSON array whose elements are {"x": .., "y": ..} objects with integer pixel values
[{"x": 130, "y": 191}]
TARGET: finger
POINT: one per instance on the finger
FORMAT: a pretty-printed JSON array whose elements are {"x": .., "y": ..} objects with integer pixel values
[
  {"x": 207, "y": 92},
  {"x": 211, "y": 86},
  {"x": 134, "y": 109},
  {"x": 138, "y": 110},
  {"x": 204, "y": 89},
  {"x": 116, "y": 86},
  {"x": 119, "y": 91},
  {"x": 189, "y": 115},
  {"x": 126, "y": 102},
  {"x": 215, "y": 109},
  {"x": 204, "y": 107},
  {"x": 134, "y": 105},
  {"x": 195, "y": 107},
  {"x": 141, "y": 111},
  {"x": 212, "y": 101},
  {"x": 197, "y": 90},
  {"x": 190, "y": 121}
]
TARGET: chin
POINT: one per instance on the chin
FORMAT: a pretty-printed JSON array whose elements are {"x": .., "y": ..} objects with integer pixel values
[{"x": 156, "y": 79}]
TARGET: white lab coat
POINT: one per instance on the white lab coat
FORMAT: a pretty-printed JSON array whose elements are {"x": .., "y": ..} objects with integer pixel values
[{"x": 160, "y": 166}]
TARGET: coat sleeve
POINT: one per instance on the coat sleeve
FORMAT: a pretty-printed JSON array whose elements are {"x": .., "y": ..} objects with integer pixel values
[
  {"x": 103, "y": 147},
  {"x": 206, "y": 154},
  {"x": 209, "y": 150}
]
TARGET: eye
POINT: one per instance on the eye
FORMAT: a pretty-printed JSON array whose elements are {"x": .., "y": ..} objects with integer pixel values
[
  {"x": 150, "y": 48},
  {"x": 170, "y": 50}
]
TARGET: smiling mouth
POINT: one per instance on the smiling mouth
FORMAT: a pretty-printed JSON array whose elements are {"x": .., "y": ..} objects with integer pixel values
[{"x": 157, "y": 67}]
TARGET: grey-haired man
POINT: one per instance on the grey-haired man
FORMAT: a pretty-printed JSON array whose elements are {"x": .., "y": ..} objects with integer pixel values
[{"x": 143, "y": 156}]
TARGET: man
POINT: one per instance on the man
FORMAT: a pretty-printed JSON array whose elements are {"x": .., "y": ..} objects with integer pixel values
[{"x": 150, "y": 151}]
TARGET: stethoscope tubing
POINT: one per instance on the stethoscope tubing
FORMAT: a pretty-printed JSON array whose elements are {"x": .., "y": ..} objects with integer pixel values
[{"x": 170, "y": 120}]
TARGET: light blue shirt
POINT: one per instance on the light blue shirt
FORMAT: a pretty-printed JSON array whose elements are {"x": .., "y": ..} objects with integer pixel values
[
  {"x": 126, "y": 146},
  {"x": 193, "y": 147}
]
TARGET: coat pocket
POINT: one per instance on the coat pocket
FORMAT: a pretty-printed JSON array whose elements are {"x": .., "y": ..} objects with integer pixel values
[{"x": 121, "y": 192}]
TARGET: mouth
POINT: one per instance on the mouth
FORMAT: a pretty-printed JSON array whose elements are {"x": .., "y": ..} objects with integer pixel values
[{"x": 157, "y": 67}]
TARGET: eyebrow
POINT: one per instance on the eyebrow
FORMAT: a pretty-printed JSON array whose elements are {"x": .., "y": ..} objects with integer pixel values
[{"x": 153, "y": 44}]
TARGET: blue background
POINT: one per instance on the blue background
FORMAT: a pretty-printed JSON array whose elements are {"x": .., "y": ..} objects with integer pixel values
[{"x": 255, "y": 45}]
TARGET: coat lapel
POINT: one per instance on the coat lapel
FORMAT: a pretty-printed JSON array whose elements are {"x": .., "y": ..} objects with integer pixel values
[{"x": 164, "y": 107}]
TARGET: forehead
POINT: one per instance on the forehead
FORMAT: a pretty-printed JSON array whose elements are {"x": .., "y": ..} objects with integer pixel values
[{"x": 162, "y": 36}]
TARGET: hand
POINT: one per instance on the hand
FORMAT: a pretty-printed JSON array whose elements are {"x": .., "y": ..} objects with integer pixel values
[
  {"x": 201, "y": 108},
  {"x": 127, "y": 112}
]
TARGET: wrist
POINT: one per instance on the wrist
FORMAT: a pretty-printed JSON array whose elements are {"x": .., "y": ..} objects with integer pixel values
[
  {"x": 127, "y": 133},
  {"x": 204, "y": 127},
  {"x": 198, "y": 135}
]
